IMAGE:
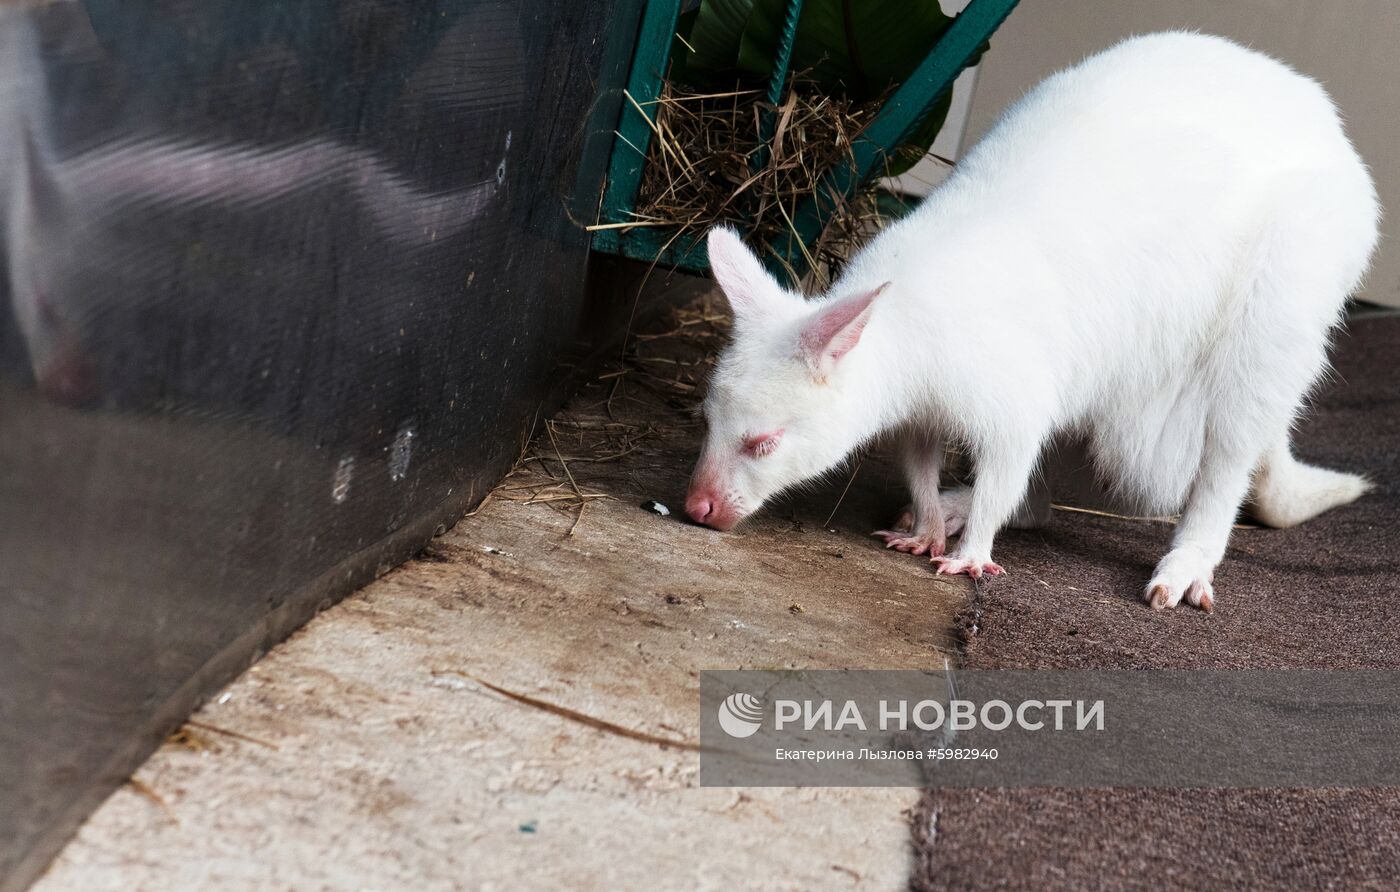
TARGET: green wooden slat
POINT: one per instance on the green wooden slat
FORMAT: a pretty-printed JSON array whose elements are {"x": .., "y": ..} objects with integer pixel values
[
  {"x": 655, "y": 244},
  {"x": 659, "y": 245},
  {"x": 787, "y": 38},
  {"x": 900, "y": 114},
  {"x": 634, "y": 130}
]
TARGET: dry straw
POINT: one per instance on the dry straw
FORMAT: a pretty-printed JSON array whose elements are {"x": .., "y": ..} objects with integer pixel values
[{"x": 707, "y": 164}]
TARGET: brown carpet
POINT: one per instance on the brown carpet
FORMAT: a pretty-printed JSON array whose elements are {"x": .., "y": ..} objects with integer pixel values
[{"x": 1322, "y": 595}]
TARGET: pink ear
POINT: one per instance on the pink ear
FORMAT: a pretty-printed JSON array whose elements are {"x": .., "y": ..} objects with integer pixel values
[
  {"x": 745, "y": 282},
  {"x": 836, "y": 329}
]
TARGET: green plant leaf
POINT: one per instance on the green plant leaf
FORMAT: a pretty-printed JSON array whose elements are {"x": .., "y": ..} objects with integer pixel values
[
  {"x": 716, "y": 35},
  {"x": 891, "y": 206}
]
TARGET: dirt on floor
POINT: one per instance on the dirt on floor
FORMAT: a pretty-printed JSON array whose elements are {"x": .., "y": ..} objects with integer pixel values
[{"x": 517, "y": 708}]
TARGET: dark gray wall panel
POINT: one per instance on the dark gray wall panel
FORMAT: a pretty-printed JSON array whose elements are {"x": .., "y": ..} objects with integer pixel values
[{"x": 280, "y": 283}]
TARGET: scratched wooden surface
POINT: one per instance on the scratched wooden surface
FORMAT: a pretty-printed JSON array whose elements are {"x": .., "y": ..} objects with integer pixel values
[{"x": 378, "y": 751}]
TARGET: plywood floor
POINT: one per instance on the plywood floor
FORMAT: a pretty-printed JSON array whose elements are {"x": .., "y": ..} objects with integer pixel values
[{"x": 376, "y": 749}]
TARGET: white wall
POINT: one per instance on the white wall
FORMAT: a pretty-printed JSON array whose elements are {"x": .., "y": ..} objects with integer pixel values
[{"x": 1352, "y": 46}]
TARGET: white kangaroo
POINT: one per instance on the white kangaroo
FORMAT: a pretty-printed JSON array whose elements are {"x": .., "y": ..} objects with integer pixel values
[{"x": 1151, "y": 248}]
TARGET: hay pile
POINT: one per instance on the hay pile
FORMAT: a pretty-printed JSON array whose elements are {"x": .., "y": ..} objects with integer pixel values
[{"x": 707, "y": 164}]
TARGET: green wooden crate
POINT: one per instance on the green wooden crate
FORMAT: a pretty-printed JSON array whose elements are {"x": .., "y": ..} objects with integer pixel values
[{"x": 896, "y": 119}]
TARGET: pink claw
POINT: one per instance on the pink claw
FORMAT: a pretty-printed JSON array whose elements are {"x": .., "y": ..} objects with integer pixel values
[
  {"x": 975, "y": 569},
  {"x": 901, "y": 540}
]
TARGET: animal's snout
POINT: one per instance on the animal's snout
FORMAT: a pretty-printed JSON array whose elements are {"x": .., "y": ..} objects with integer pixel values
[
  {"x": 706, "y": 507},
  {"x": 699, "y": 507}
]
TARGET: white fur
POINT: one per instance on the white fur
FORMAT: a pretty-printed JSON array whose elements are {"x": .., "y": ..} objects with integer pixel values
[{"x": 1151, "y": 247}]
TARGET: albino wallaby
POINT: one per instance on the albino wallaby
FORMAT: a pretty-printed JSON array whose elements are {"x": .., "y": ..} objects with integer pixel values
[{"x": 1150, "y": 248}]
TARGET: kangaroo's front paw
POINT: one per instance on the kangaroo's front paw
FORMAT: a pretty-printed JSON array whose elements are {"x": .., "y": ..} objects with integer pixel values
[
  {"x": 1183, "y": 573},
  {"x": 907, "y": 542},
  {"x": 951, "y": 566}
]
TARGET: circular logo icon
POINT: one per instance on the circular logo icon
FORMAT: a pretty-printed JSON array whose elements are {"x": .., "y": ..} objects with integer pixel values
[{"x": 740, "y": 715}]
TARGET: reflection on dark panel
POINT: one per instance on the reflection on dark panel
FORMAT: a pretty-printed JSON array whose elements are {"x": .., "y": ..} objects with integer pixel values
[{"x": 279, "y": 284}]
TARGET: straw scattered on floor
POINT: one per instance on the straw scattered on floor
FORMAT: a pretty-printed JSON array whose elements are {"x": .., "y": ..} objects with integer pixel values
[{"x": 670, "y": 366}]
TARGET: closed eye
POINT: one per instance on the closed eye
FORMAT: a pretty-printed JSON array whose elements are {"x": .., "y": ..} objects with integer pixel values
[{"x": 760, "y": 445}]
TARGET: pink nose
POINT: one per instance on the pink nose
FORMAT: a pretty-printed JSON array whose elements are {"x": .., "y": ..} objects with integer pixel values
[
  {"x": 711, "y": 510},
  {"x": 700, "y": 507}
]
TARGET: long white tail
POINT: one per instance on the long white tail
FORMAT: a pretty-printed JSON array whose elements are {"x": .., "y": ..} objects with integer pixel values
[{"x": 1287, "y": 492}]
